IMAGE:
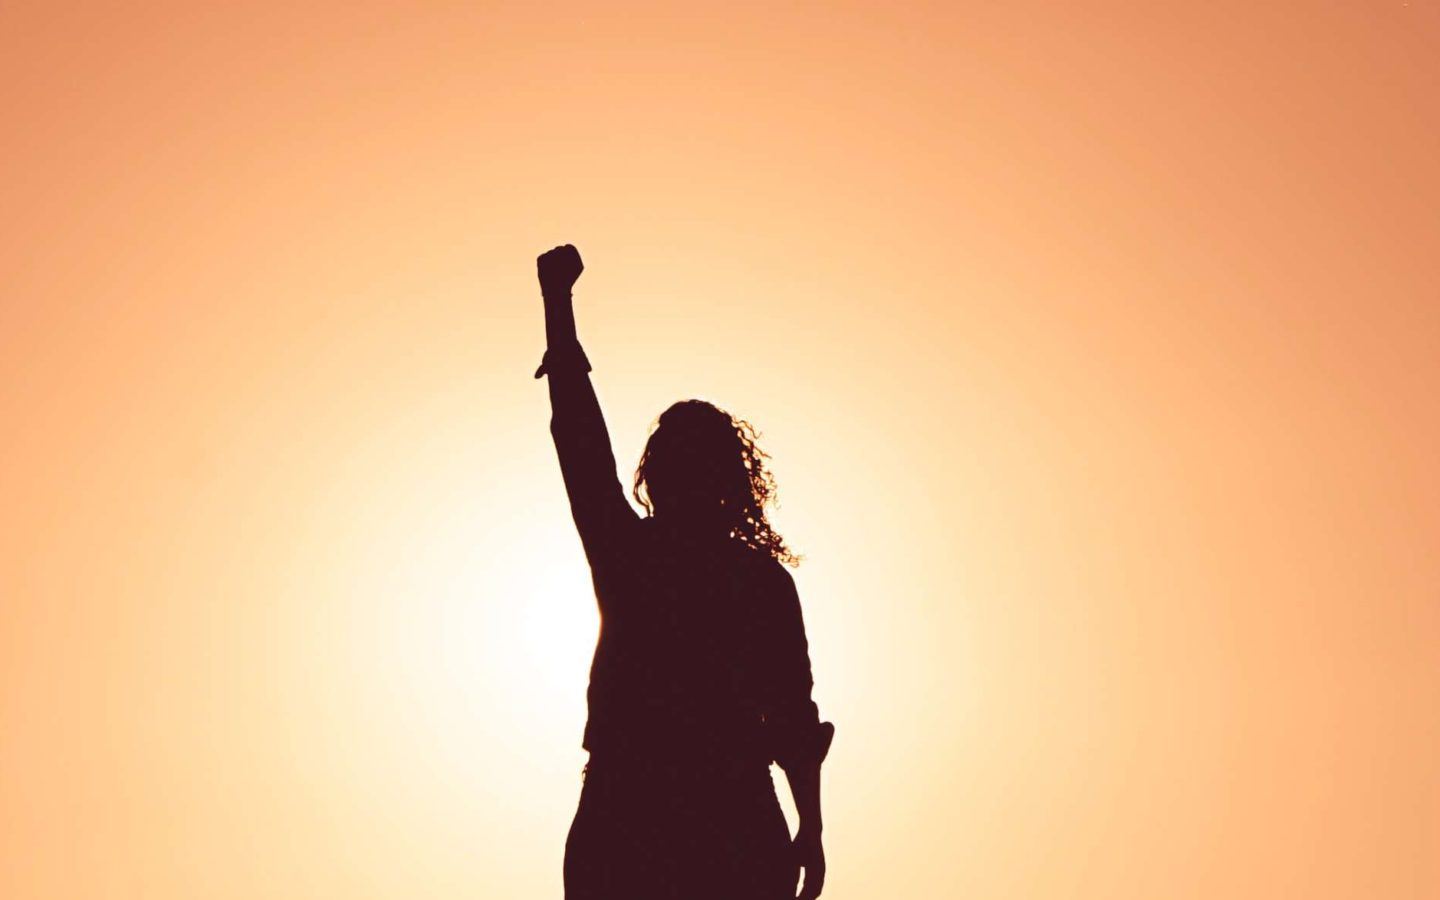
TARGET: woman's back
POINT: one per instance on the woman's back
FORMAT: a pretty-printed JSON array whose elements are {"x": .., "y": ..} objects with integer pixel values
[{"x": 690, "y": 661}]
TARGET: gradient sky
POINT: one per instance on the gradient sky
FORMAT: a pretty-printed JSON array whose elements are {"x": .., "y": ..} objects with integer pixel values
[{"x": 1097, "y": 347}]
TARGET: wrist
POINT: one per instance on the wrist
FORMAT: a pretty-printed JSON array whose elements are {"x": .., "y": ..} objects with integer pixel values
[{"x": 559, "y": 319}]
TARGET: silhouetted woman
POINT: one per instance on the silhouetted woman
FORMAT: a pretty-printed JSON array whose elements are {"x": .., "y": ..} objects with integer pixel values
[{"x": 701, "y": 675}]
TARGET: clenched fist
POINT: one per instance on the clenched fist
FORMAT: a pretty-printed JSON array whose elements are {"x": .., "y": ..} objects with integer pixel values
[{"x": 558, "y": 269}]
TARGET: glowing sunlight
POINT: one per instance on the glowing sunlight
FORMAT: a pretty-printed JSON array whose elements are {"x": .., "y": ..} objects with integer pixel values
[{"x": 1094, "y": 345}]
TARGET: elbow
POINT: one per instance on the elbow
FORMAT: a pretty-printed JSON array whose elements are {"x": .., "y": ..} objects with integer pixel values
[
  {"x": 804, "y": 748},
  {"x": 561, "y": 428}
]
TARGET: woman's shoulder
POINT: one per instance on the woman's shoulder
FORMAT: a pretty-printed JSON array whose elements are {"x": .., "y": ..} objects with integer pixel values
[{"x": 762, "y": 568}]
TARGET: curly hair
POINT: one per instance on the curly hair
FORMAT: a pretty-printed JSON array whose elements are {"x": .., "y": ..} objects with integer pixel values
[{"x": 699, "y": 453}]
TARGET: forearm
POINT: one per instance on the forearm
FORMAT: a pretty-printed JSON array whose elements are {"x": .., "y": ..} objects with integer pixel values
[
  {"x": 578, "y": 427},
  {"x": 559, "y": 320},
  {"x": 804, "y": 778},
  {"x": 572, "y": 398},
  {"x": 576, "y": 420},
  {"x": 804, "y": 781}
]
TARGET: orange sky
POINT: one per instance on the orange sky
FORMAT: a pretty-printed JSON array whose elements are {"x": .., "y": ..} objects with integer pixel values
[{"x": 1095, "y": 344}]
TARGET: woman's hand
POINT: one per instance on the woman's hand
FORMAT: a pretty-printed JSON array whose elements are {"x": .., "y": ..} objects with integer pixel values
[
  {"x": 558, "y": 269},
  {"x": 810, "y": 854}
]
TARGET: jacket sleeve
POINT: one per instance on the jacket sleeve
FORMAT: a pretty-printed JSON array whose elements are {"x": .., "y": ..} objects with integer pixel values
[
  {"x": 796, "y": 735},
  {"x": 582, "y": 443}
]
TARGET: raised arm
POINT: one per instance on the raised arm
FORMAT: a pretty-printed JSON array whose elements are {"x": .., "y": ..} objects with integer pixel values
[
  {"x": 587, "y": 464},
  {"x": 800, "y": 739}
]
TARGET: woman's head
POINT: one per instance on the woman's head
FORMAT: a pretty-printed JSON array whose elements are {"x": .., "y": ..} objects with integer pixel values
[{"x": 701, "y": 465}]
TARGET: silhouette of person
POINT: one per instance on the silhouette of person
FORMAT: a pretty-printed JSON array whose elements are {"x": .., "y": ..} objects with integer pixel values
[{"x": 701, "y": 675}]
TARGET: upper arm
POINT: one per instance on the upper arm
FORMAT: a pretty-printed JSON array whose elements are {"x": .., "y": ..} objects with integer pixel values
[
  {"x": 598, "y": 506},
  {"x": 791, "y": 647},
  {"x": 799, "y": 735}
]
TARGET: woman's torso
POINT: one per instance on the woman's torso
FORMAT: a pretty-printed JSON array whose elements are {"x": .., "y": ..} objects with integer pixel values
[{"x": 682, "y": 663}]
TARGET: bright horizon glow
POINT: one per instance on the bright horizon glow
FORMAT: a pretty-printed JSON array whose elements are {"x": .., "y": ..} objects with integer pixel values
[{"x": 1094, "y": 345}]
